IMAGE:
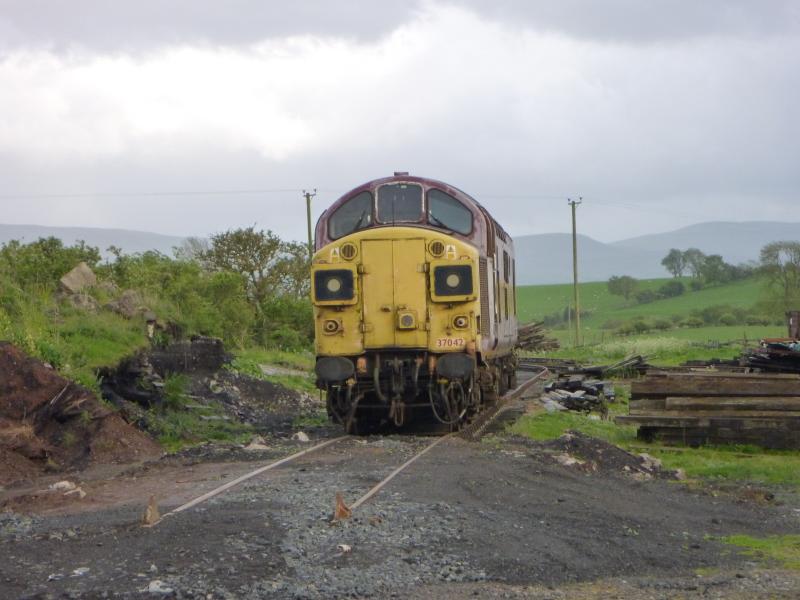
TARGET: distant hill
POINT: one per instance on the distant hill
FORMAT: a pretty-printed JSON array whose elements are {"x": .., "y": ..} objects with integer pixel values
[
  {"x": 736, "y": 242},
  {"x": 129, "y": 241},
  {"x": 547, "y": 258},
  {"x": 541, "y": 259}
]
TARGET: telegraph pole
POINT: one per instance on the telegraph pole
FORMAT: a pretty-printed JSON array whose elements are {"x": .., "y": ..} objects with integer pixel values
[
  {"x": 309, "y": 196},
  {"x": 573, "y": 204}
]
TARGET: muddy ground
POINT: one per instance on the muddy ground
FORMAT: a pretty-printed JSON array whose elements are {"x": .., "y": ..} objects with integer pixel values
[{"x": 502, "y": 518}]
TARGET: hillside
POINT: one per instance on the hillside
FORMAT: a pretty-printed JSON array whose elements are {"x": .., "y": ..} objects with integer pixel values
[
  {"x": 535, "y": 302},
  {"x": 129, "y": 241},
  {"x": 736, "y": 242},
  {"x": 547, "y": 258}
]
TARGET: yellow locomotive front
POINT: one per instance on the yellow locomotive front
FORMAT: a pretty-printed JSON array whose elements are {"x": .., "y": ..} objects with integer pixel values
[{"x": 397, "y": 304}]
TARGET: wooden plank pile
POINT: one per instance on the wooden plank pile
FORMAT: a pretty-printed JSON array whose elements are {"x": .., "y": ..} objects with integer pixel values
[
  {"x": 578, "y": 393},
  {"x": 717, "y": 408},
  {"x": 533, "y": 337}
]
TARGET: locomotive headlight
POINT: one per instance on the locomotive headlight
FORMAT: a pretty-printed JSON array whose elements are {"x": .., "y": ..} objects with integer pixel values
[
  {"x": 334, "y": 286},
  {"x": 452, "y": 280}
]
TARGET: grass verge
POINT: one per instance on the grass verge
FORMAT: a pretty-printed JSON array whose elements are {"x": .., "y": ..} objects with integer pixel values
[
  {"x": 249, "y": 362},
  {"x": 715, "y": 463},
  {"x": 784, "y": 549}
]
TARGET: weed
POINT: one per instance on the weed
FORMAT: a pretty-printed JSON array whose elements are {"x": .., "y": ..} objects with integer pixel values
[
  {"x": 318, "y": 419},
  {"x": 174, "y": 391},
  {"x": 784, "y": 549}
]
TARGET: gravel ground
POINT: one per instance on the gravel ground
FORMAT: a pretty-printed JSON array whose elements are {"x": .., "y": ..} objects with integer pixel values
[{"x": 498, "y": 519}]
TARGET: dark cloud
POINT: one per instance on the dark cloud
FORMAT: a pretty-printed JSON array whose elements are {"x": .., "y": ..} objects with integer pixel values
[
  {"x": 140, "y": 25},
  {"x": 99, "y": 25},
  {"x": 645, "y": 20}
]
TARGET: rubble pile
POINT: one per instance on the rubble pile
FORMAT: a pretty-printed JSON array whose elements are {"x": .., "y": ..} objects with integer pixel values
[
  {"x": 576, "y": 449},
  {"x": 137, "y": 386},
  {"x": 775, "y": 356},
  {"x": 48, "y": 423},
  {"x": 533, "y": 337},
  {"x": 578, "y": 393}
]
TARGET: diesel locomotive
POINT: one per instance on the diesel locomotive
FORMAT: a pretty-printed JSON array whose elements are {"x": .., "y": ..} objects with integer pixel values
[{"x": 413, "y": 287}]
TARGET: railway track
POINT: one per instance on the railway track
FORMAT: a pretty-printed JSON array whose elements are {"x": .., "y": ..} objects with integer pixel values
[{"x": 473, "y": 431}]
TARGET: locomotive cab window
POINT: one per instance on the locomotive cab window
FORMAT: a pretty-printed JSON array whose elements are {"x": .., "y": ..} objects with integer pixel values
[
  {"x": 351, "y": 216},
  {"x": 400, "y": 203},
  {"x": 447, "y": 212}
]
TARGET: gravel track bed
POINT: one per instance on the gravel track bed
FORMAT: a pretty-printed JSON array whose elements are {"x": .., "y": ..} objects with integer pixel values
[{"x": 493, "y": 519}]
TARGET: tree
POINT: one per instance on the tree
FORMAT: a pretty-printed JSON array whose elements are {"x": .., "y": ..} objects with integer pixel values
[
  {"x": 674, "y": 262},
  {"x": 715, "y": 270},
  {"x": 253, "y": 254},
  {"x": 46, "y": 260},
  {"x": 271, "y": 266},
  {"x": 780, "y": 262},
  {"x": 693, "y": 260},
  {"x": 623, "y": 286}
]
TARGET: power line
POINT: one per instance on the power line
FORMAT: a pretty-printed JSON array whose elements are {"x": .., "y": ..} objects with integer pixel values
[{"x": 140, "y": 194}]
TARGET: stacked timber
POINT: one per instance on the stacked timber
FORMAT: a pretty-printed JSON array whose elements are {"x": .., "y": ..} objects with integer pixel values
[
  {"x": 717, "y": 408},
  {"x": 533, "y": 337}
]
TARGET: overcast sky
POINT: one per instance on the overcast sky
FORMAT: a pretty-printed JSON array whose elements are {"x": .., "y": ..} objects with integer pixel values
[{"x": 189, "y": 116}]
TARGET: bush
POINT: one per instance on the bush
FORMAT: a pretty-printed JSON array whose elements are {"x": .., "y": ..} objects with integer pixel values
[
  {"x": 626, "y": 329},
  {"x": 646, "y": 296},
  {"x": 694, "y": 322},
  {"x": 696, "y": 285},
  {"x": 756, "y": 320},
  {"x": 662, "y": 324},
  {"x": 672, "y": 289},
  {"x": 729, "y": 319}
]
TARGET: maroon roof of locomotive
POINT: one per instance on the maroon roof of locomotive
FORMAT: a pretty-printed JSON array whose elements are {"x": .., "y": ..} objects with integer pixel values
[{"x": 485, "y": 228}]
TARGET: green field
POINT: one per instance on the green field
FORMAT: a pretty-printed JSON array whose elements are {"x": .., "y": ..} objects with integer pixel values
[{"x": 535, "y": 302}]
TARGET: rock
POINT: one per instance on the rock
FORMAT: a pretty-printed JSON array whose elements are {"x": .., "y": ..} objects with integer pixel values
[
  {"x": 301, "y": 436},
  {"x": 344, "y": 548},
  {"x": 80, "y": 572},
  {"x": 63, "y": 486},
  {"x": 257, "y": 444},
  {"x": 158, "y": 587},
  {"x": 78, "y": 279},
  {"x": 76, "y": 492},
  {"x": 129, "y": 304},
  {"x": 651, "y": 463},
  {"x": 83, "y": 302},
  {"x": 109, "y": 287},
  {"x": 567, "y": 460},
  {"x": 679, "y": 474}
]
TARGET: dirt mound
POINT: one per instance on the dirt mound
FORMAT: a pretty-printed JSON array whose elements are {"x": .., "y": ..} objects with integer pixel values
[
  {"x": 269, "y": 407},
  {"x": 137, "y": 386},
  {"x": 48, "y": 423},
  {"x": 580, "y": 451}
]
